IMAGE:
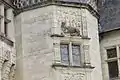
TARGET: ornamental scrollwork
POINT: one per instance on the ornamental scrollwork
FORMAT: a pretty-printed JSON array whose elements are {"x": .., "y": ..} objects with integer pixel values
[
  {"x": 74, "y": 76},
  {"x": 25, "y": 3}
]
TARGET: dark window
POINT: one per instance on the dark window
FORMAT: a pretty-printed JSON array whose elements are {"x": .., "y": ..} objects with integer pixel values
[
  {"x": 111, "y": 53},
  {"x": 5, "y": 29},
  {"x": 5, "y": 13},
  {"x": 64, "y": 50},
  {"x": 113, "y": 69},
  {"x": 36, "y": 1},
  {"x": 76, "y": 55}
]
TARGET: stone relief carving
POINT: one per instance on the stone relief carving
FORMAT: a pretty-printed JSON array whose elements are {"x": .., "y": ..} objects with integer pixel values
[
  {"x": 73, "y": 76},
  {"x": 71, "y": 21},
  {"x": 70, "y": 75},
  {"x": 73, "y": 31}
]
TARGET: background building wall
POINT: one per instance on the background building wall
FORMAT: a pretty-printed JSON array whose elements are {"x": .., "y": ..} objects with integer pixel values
[{"x": 109, "y": 40}]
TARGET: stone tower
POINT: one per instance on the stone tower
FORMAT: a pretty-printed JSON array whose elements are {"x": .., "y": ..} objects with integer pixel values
[{"x": 57, "y": 40}]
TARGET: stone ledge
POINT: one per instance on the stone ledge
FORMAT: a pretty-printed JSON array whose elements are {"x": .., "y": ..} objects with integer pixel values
[
  {"x": 67, "y": 66},
  {"x": 6, "y": 39},
  {"x": 81, "y": 37}
]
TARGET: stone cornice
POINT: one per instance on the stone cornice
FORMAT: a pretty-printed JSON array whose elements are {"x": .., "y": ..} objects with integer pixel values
[{"x": 59, "y": 3}]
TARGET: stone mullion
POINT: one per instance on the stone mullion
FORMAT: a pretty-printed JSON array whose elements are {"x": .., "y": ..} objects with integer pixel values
[
  {"x": 118, "y": 56},
  {"x": 70, "y": 53}
]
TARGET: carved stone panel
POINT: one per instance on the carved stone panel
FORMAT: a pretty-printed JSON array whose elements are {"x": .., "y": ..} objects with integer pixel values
[
  {"x": 71, "y": 21},
  {"x": 73, "y": 76}
]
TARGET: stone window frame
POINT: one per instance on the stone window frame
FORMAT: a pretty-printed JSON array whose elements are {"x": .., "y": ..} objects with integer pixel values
[
  {"x": 113, "y": 59},
  {"x": 84, "y": 49}
]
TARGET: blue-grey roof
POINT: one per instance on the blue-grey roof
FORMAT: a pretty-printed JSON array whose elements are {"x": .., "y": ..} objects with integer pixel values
[
  {"x": 81, "y": 1},
  {"x": 110, "y": 15}
]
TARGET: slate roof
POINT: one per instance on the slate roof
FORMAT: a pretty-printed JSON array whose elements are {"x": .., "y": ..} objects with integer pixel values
[
  {"x": 81, "y": 1},
  {"x": 110, "y": 15}
]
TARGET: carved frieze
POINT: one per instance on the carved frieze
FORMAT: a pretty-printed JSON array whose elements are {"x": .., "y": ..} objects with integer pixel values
[
  {"x": 72, "y": 75},
  {"x": 25, "y": 3}
]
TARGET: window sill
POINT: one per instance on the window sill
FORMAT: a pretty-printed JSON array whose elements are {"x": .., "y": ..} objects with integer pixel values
[
  {"x": 80, "y": 37},
  {"x": 69, "y": 66},
  {"x": 6, "y": 39}
]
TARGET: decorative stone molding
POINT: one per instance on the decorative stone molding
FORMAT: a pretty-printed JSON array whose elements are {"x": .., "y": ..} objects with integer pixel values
[
  {"x": 73, "y": 76},
  {"x": 6, "y": 54},
  {"x": 6, "y": 70},
  {"x": 24, "y": 5},
  {"x": 72, "y": 73},
  {"x": 12, "y": 73},
  {"x": 1, "y": 62}
]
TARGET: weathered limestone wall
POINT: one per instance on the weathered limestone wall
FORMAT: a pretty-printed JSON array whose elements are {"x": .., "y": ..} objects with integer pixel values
[
  {"x": 109, "y": 40},
  {"x": 35, "y": 46},
  {"x": 92, "y": 25}
]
